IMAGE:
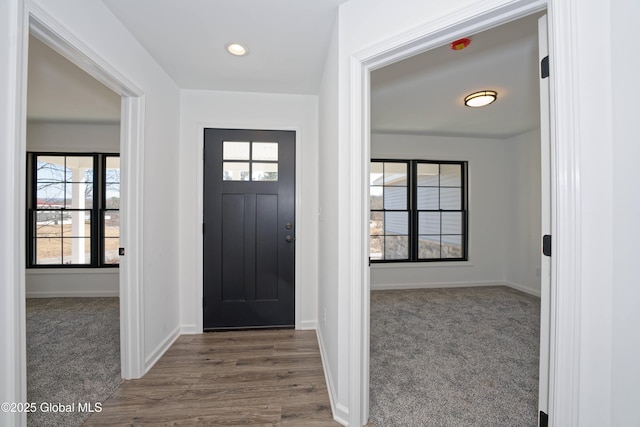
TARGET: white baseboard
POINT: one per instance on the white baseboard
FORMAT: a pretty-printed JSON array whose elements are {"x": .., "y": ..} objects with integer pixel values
[
  {"x": 73, "y": 294},
  {"x": 161, "y": 349},
  {"x": 534, "y": 292},
  {"x": 340, "y": 412},
  {"x": 392, "y": 286},
  {"x": 190, "y": 330},
  {"x": 307, "y": 325},
  {"x": 386, "y": 287}
]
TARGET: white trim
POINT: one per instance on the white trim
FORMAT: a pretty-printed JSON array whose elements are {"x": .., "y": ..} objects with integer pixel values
[
  {"x": 57, "y": 37},
  {"x": 190, "y": 329},
  {"x": 340, "y": 412},
  {"x": 12, "y": 246},
  {"x": 467, "y": 20},
  {"x": 521, "y": 288},
  {"x": 398, "y": 286},
  {"x": 132, "y": 238},
  {"x": 564, "y": 362},
  {"x": 161, "y": 349},
  {"x": 307, "y": 325},
  {"x": 445, "y": 285},
  {"x": 73, "y": 294},
  {"x": 300, "y": 234}
]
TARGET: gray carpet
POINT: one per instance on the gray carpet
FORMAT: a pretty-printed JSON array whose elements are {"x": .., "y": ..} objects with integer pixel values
[
  {"x": 454, "y": 357},
  {"x": 73, "y": 356}
]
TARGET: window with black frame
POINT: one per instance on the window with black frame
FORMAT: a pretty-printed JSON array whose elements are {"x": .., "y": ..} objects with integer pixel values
[
  {"x": 73, "y": 202},
  {"x": 418, "y": 211}
]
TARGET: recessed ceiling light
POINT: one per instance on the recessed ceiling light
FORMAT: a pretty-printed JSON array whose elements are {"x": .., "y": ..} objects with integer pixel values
[
  {"x": 237, "y": 49},
  {"x": 480, "y": 99}
]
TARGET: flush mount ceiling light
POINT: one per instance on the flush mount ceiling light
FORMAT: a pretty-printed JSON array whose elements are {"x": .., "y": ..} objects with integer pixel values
[
  {"x": 237, "y": 49},
  {"x": 480, "y": 99}
]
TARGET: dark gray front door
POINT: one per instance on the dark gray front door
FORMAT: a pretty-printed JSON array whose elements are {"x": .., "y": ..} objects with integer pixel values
[{"x": 249, "y": 229}]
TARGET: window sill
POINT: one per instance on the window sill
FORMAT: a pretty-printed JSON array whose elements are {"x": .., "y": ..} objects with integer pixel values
[
  {"x": 453, "y": 264},
  {"x": 42, "y": 271}
]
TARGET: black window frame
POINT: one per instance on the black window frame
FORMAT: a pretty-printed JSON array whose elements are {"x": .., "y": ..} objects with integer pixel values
[
  {"x": 97, "y": 210},
  {"x": 414, "y": 212}
]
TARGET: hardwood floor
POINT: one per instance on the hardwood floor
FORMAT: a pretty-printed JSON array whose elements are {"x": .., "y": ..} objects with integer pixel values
[{"x": 236, "y": 378}]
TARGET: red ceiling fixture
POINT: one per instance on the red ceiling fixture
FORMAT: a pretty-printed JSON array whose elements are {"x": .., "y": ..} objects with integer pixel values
[{"x": 460, "y": 44}]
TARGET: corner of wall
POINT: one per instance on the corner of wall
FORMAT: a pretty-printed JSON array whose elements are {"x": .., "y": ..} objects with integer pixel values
[{"x": 340, "y": 412}]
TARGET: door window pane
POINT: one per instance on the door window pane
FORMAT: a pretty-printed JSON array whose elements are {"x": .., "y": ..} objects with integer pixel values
[
  {"x": 264, "y": 172},
  {"x": 235, "y": 171},
  {"x": 232, "y": 150},
  {"x": 265, "y": 151}
]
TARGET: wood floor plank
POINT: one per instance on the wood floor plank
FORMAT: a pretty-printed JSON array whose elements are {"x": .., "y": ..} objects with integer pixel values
[{"x": 235, "y": 378}]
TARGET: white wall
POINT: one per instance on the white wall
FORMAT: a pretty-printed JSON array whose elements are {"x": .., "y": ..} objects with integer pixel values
[
  {"x": 73, "y": 137},
  {"x": 523, "y": 225},
  {"x": 330, "y": 296},
  {"x": 84, "y": 138},
  {"x": 108, "y": 39},
  {"x": 235, "y": 110},
  {"x": 626, "y": 226},
  {"x": 488, "y": 211}
]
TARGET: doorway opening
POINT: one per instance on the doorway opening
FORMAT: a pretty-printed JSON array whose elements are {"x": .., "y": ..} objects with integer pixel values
[
  {"x": 72, "y": 279},
  {"x": 502, "y": 145},
  {"x": 38, "y": 24},
  {"x": 389, "y": 52}
]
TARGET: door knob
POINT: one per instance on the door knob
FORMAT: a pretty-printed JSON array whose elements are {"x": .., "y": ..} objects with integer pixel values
[{"x": 289, "y": 239}]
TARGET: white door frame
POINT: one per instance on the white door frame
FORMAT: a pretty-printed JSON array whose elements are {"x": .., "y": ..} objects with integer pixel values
[
  {"x": 564, "y": 322},
  {"x": 52, "y": 33}
]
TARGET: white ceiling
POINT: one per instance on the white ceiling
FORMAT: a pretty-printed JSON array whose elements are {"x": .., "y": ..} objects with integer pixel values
[
  {"x": 288, "y": 41},
  {"x": 424, "y": 94}
]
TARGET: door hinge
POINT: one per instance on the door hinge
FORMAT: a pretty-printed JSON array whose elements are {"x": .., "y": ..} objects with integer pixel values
[
  {"x": 544, "y": 67},
  {"x": 546, "y": 245},
  {"x": 544, "y": 419}
]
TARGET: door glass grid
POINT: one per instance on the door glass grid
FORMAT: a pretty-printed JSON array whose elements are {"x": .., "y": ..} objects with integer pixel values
[{"x": 249, "y": 161}]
